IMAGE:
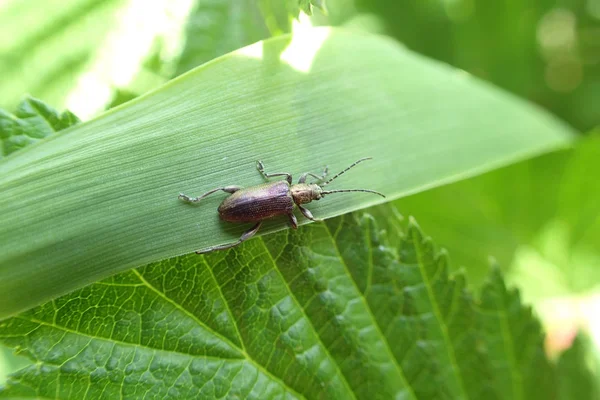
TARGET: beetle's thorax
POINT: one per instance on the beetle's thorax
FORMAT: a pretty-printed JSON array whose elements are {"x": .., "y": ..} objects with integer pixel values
[{"x": 305, "y": 192}]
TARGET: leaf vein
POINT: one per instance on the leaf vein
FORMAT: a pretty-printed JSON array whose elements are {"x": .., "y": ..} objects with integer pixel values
[
  {"x": 185, "y": 311},
  {"x": 436, "y": 313},
  {"x": 309, "y": 321},
  {"x": 509, "y": 348},
  {"x": 374, "y": 322},
  {"x": 227, "y": 305}
]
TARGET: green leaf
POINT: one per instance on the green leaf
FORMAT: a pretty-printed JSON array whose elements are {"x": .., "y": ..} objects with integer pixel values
[
  {"x": 102, "y": 198},
  {"x": 328, "y": 311},
  {"x": 513, "y": 343},
  {"x": 320, "y": 4},
  {"x": 219, "y": 27},
  {"x": 576, "y": 380},
  {"x": 278, "y": 15},
  {"x": 538, "y": 216},
  {"x": 10, "y": 363},
  {"x": 305, "y": 5},
  {"x": 32, "y": 122}
]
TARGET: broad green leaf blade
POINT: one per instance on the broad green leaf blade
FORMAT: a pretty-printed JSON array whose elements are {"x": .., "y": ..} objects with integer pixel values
[
  {"x": 102, "y": 196},
  {"x": 329, "y": 311},
  {"x": 32, "y": 122}
]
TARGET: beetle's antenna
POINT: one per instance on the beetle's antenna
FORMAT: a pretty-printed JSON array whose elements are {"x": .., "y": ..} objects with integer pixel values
[
  {"x": 341, "y": 173},
  {"x": 351, "y": 190}
]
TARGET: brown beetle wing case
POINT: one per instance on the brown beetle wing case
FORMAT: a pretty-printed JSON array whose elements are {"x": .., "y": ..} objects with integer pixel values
[{"x": 257, "y": 203}]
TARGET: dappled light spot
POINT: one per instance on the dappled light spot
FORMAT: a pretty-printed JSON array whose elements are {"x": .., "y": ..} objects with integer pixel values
[
  {"x": 304, "y": 47},
  {"x": 558, "y": 40},
  {"x": 253, "y": 51}
]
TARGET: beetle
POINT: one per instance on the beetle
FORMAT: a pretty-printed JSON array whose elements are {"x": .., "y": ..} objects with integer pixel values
[{"x": 260, "y": 202}]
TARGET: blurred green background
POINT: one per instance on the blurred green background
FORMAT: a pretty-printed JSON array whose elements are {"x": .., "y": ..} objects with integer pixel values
[
  {"x": 539, "y": 215},
  {"x": 546, "y": 51}
]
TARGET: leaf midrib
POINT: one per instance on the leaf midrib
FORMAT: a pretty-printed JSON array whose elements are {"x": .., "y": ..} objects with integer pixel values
[
  {"x": 371, "y": 316},
  {"x": 438, "y": 317},
  {"x": 242, "y": 351},
  {"x": 227, "y": 306},
  {"x": 509, "y": 350},
  {"x": 309, "y": 321},
  {"x": 112, "y": 341}
]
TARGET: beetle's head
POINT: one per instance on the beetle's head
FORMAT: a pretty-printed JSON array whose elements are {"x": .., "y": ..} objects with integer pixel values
[
  {"x": 306, "y": 192},
  {"x": 303, "y": 193}
]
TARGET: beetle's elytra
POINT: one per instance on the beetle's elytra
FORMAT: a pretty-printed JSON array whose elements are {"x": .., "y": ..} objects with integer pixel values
[{"x": 260, "y": 202}]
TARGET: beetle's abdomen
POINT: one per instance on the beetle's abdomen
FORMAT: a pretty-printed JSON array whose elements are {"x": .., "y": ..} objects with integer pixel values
[{"x": 257, "y": 203}]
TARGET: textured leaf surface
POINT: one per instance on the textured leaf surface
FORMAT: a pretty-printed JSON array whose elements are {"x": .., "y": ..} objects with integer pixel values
[
  {"x": 513, "y": 344},
  {"x": 332, "y": 311},
  {"x": 32, "y": 122},
  {"x": 102, "y": 197}
]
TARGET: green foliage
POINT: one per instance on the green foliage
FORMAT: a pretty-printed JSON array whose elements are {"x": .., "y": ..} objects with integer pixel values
[
  {"x": 544, "y": 51},
  {"x": 360, "y": 306},
  {"x": 329, "y": 311},
  {"x": 32, "y": 122},
  {"x": 512, "y": 342},
  {"x": 575, "y": 377},
  {"x": 215, "y": 28},
  {"x": 113, "y": 205},
  {"x": 307, "y": 5},
  {"x": 538, "y": 216}
]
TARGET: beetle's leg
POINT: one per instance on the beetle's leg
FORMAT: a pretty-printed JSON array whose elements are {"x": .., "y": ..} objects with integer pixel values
[
  {"x": 293, "y": 220},
  {"x": 261, "y": 168},
  {"x": 308, "y": 214},
  {"x": 304, "y": 175},
  {"x": 228, "y": 189},
  {"x": 245, "y": 236},
  {"x": 317, "y": 177}
]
